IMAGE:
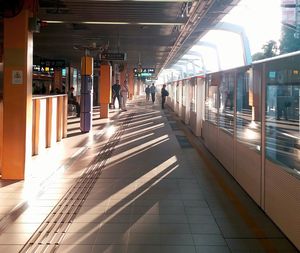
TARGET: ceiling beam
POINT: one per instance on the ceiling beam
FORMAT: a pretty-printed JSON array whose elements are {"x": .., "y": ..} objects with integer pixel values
[
  {"x": 112, "y": 23},
  {"x": 155, "y": 1}
]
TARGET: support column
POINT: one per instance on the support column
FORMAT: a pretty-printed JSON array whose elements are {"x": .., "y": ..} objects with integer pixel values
[
  {"x": 105, "y": 83},
  {"x": 86, "y": 98},
  {"x": 131, "y": 83},
  {"x": 139, "y": 84},
  {"x": 135, "y": 85},
  {"x": 57, "y": 84},
  {"x": 17, "y": 97},
  {"x": 122, "y": 76}
]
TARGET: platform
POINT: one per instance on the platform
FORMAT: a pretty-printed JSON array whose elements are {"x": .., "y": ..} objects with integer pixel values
[{"x": 139, "y": 182}]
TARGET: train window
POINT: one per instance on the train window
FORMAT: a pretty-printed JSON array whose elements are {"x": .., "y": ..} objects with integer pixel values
[
  {"x": 211, "y": 98},
  {"x": 248, "y": 107},
  {"x": 226, "y": 106},
  {"x": 282, "y": 112}
]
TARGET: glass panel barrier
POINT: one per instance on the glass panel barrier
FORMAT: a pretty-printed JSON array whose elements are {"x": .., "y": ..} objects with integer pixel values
[
  {"x": 184, "y": 90},
  {"x": 282, "y": 112},
  {"x": 170, "y": 90},
  {"x": 211, "y": 98},
  {"x": 193, "y": 91},
  {"x": 177, "y": 92},
  {"x": 248, "y": 107},
  {"x": 226, "y": 107}
]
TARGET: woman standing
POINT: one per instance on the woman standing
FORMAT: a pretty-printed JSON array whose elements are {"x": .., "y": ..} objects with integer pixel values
[{"x": 124, "y": 95}]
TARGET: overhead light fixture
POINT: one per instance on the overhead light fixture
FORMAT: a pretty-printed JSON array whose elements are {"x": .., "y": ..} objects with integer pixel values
[
  {"x": 159, "y": 23},
  {"x": 103, "y": 23},
  {"x": 53, "y": 21}
]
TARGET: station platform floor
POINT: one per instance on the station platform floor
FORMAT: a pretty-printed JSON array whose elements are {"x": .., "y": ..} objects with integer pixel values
[{"x": 139, "y": 182}]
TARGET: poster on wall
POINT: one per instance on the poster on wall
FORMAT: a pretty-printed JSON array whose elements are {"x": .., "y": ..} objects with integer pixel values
[{"x": 17, "y": 77}]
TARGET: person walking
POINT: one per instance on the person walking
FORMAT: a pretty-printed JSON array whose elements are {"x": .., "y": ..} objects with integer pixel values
[
  {"x": 164, "y": 94},
  {"x": 124, "y": 95},
  {"x": 116, "y": 93},
  {"x": 152, "y": 91},
  {"x": 147, "y": 90}
]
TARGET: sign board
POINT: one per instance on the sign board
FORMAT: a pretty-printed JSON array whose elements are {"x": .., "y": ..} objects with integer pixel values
[
  {"x": 144, "y": 70},
  {"x": 37, "y": 69},
  {"x": 17, "y": 77},
  {"x": 114, "y": 56},
  {"x": 142, "y": 74},
  {"x": 52, "y": 63},
  {"x": 97, "y": 63}
]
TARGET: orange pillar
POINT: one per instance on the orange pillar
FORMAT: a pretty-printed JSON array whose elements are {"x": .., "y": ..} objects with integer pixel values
[
  {"x": 138, "y": 88},
  {"x": 17, "y": 96},
  {"x": 122, "y": 76},
  {"x": 105, "y": 83},
  {"x": 57, "y": 79},
  {"x": 131, "y": 83}
]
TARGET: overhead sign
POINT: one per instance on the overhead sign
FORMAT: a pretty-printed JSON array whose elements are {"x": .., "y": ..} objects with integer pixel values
[
  {"x": 52, "y": 63},
  {"x": 142, "y": 74},
  {"x": 97, "y": 63},
  {"x": 114, "y": 56},
  {"x": 43, "y": 70},
  {"x": 144, "y": 70}
]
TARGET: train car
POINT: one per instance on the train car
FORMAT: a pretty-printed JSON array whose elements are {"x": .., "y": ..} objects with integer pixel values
[{"x": 248, "y": 117}]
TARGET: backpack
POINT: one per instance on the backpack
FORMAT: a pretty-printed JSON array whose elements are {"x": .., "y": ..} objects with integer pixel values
[{"x": 165, "y": 93}]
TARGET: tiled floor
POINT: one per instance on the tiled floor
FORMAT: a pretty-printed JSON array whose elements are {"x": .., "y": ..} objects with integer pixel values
[{"x": 154, "y": 194}]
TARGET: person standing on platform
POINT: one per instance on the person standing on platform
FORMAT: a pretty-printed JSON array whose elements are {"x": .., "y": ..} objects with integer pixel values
[
  {"x": 164, "y": 94},
  {"x": 116, "y": 93},
  {"x": 72, "y": 100},
  {"x": 147, "y": 90},
  {"x": 153, "y": 91},
  {"x": 124, "y": 95}
]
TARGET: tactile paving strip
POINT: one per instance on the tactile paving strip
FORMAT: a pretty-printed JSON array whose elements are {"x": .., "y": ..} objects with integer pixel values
[{"x": 51, "y": 232}]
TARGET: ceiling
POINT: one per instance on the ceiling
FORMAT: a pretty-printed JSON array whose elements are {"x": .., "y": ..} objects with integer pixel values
[{"x": 153, "y": 32}]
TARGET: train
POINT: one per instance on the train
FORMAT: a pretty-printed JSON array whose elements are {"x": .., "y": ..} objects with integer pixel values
[{"x": 248, "y": 118}]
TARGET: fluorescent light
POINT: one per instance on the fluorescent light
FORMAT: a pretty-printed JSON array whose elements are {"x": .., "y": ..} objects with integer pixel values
[
  {"x": 54, "y": 22},
  {"x": 160, "y": 24},
  {"x": 103, "y": 23}
]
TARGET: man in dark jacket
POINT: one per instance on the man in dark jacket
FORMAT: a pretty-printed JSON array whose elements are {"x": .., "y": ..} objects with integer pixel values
[
  {"x": 116, "y": 93},
  {"x": 164, "y": 94}
]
